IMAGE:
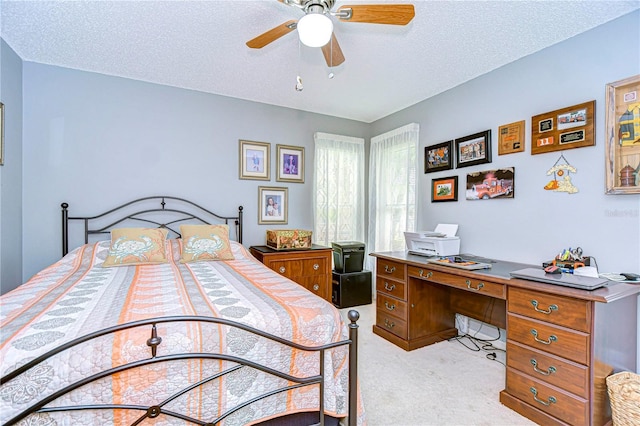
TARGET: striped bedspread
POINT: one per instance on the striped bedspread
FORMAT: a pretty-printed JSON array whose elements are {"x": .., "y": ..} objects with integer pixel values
[{"x": 77, "y": 296}]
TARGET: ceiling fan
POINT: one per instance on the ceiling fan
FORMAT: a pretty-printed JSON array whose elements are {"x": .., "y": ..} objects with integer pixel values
[{"x": 315, "y": 28}]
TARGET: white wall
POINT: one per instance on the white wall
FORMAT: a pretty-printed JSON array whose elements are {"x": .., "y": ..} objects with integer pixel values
[
  {"x": 96, "y": 141},
  {"x": 537, "y": 224},
  {"x": 11, "y": 171}
]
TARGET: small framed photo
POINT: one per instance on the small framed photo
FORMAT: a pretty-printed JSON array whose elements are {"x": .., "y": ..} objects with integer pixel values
[
  {"x": 490, "y": 184},
  {"x": 444, "y": 189},
  {"x": 438, "y": 157},
  {"x": 272, "y": 205},
  {"x": 254, "y": 160},
  {"x": 473, "y": 149},
  {"x": 290, "y": 163}
]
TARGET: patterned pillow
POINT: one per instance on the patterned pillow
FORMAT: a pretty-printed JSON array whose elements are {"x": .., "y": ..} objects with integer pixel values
[
  {"x": 205, "y": 242},
  {"x": 136, "y": 246}
]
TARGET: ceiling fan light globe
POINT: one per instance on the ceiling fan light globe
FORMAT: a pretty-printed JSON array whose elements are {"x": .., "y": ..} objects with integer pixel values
[{"x": 315, "y": 29}]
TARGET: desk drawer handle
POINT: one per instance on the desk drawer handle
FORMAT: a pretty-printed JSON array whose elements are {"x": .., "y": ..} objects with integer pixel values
[
  {"x": 316, "y": 266},
  {"x": 480, "y": 285},
  {"x": 316, "y": 287},
  {"x": 389, "y": 307},
  {"x": 389, "y": 270},
  {"x": 552, "y": 338},
  {"x": 282, "y": 269},
  {"x": 549, "y": 371},
  {"x": 552, "y": 308},
  {"x": 548, "y": 402},
  {"x": 389, "y": 287},
  {"x": 389, "y": 324},
  {"x": 422, "y": 274}
]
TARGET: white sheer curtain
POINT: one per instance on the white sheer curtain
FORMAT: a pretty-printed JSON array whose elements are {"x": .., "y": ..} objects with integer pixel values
[
  {"x": 392, "y": 188},
  {"x": 338, "y": 189}
]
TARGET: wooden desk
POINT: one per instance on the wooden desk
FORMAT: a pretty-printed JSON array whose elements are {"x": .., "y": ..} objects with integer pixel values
[{"x": 562, "y": 343}]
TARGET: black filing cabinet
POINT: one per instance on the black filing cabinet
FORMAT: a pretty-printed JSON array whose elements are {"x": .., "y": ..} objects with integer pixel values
[{"x": 351, "y": 289}]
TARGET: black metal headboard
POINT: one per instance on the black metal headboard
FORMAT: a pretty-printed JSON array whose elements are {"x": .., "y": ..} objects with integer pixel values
[{"x": 149, "y": 216}]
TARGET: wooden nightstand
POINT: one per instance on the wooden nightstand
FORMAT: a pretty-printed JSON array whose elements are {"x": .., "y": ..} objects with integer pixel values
[{"x": 311, "y": 268}]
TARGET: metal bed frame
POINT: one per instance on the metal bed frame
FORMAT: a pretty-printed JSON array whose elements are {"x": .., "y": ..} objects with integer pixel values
[{"x": 153, "y": 411}]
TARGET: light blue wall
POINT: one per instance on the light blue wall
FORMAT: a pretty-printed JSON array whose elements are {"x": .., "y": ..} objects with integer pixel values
[
  {"x": 537, "y": 224},
  {"x": 96, "y": 141},
  {"x": 11, "y": 171}
]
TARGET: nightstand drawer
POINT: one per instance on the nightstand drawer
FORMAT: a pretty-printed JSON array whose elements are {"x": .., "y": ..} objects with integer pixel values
[
  {"x": 300, "y": 267},
  {"x": 390, "y": 269},
  {"x": 564, "y": 342},
  {"x": 551, "y": 369},
  {"x": 474, "y": 285},
  {"x": 554, "y": 401},
  {"x": 572, "y": 313},
  {"x": 391, "y": 323},
  {"x": 391, "y": 306},
  {"x": 314, "y": 284},
  {"x": 391, "y": 288}
]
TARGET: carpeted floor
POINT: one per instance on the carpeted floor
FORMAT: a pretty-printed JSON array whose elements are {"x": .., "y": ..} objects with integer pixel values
[{"x": 441, "y": 384}]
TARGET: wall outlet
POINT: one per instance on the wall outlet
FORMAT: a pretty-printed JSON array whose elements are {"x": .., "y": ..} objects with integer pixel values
[{"x": 462, "y": 324}]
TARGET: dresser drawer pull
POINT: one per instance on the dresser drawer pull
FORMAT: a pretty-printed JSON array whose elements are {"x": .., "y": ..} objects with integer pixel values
[
  {"x": 422, "y": 274},
  {"x": 389, "y": 270},
  {"x": 480, "y": 285},
  {"x": 549, "y": 371},
  {"x": 389, "y": 287},
  {"x": 389, "y": 307},
  {"x": 282, "y": 269},
  {"x": 389, "y": 324},
  {"x": 551, "y": 339},
  {"x": 316, "y": 287},
  {"x": 548, "y": 311},
  {"x": 316, "y": 266},
  {"x": 548, "y": 402}
]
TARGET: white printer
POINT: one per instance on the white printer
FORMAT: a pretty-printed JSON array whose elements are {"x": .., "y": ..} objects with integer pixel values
[{"x": 440, "y": 242}]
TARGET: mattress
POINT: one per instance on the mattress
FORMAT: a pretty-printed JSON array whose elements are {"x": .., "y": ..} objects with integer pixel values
[{"x": 77, "y": 296}]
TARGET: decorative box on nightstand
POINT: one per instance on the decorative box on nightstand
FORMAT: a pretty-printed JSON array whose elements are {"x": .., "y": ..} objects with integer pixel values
[{"x": 311, "y": 268}]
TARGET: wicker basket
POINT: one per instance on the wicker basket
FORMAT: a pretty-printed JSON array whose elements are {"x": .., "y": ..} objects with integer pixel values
[{"x": 624, "y": 393}]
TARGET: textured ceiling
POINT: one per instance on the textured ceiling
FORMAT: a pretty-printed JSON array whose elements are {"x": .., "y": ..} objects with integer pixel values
[{"x": 200, "y": 45}]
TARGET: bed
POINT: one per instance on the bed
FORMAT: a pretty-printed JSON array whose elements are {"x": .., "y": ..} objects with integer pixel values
[{"x": 180, "y": 341}]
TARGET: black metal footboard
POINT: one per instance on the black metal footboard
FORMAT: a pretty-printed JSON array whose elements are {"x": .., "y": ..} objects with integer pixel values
[{"x": 155, "y": 340}]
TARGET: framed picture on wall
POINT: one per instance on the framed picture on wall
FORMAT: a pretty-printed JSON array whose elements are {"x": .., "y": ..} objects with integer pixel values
[
  {"x": 473, "y": 149},
  {"x": 272, "y": 205},
  {"x": 622, "y": 136},
  {"x": 290, "y": 163},
  {"x": 438, "y": 157},
  {"x": 254, "y": 160},
  {"x": 511, "y": 138},
  {"x": 490, "y": 184},
  {"x": 565, "y": 128},
  {"x": 444, "y": 189}
]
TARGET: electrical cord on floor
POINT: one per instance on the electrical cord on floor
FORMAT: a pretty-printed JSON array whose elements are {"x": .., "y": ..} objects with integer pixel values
[{"x": 480, "y": 345}]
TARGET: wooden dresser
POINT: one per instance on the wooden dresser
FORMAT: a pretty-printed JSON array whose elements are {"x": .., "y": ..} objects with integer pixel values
[
  {"x": 310, "y": 268},
  {"x": 562, "y": 343}
]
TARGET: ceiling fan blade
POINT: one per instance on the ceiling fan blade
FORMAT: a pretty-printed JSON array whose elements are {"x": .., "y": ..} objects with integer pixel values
[
  {"x": 393, "y": 14},
  {"x": 332, "y": 52},
  {"x": 273, "y": 34}
]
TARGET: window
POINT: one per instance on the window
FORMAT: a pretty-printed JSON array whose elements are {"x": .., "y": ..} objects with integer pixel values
[
  {"x": 338, "y": 192},
  {"x": 392, "y": 188}
]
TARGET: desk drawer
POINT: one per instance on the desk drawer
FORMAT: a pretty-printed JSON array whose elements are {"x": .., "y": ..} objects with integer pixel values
[
  {"x": 391, "y": 288},
  {"x": 551, "y": 369},
  {"x": 475, "y": 285},
  {"x": 391, "y": 306},
  {"x": 554, "y": 401},
  {"x": 392, "y": 324},
  {"x": 570, "y": 344},
  {"x": 390, "y": 269},
  {"x": 572, "y": 313}
]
